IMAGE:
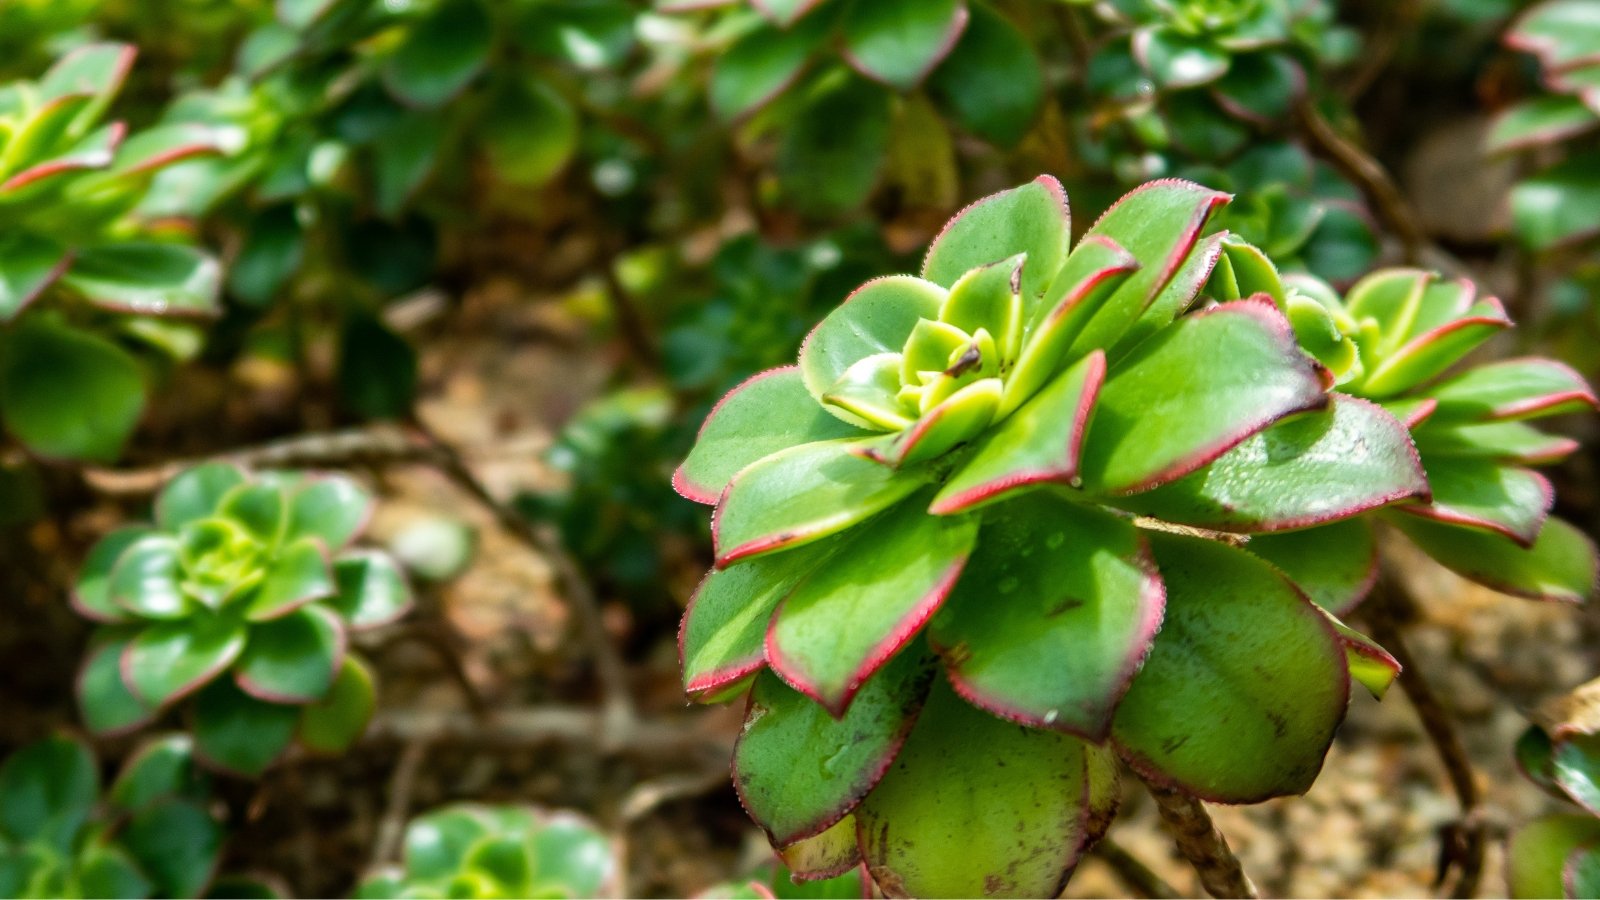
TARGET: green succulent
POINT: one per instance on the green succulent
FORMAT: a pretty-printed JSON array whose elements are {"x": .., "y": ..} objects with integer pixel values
[
  {"x": 149, "y": 836},
  {"x": 1559, "y": 855},
  {"x": 490, "y": 852},
  {"x": 1399, "y": 338},
  {"x": 241, "y": 596},
  {"x": 775, "y": 881},
  {"x": 956, "y": 457}
]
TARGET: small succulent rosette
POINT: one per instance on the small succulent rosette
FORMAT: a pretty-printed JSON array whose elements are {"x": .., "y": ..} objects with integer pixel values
[
  {"x": 774, "y": 881},
  {"x": 485, "y": 852},
  {"x": 240, "y": 598},
  {"x": 149, "y": 835},
  {"x": 1559, "y": 855},
  {"x": 928, "y": 574},
  {"x": 1400, "y": 338}
]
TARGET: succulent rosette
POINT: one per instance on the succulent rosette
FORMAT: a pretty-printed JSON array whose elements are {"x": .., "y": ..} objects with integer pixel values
[
  {"x": 1399, "y": 338},
  {"x": 1558, "y": 855},
  {"x": 490, "y": 852},
  {"x": 241, "y": 596},
  {"x": 923, "y": 541}
]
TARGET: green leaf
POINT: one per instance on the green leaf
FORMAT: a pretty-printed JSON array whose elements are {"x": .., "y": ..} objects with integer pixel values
[
  {"x": 1575, "y": 767},
  {"x": 91, "y": 593},
  {"x": 768, "y": 412},
  {"x": 196, "y": 493},
  {"x": 1511, "y": 389},
  {"x": 1032, "y": 219},
  {"x": 761, "y": 64},
  {"x": 334, "y": 722},
  {"x": 332, "y": 507},
  {"x": 828, "y": 855},
  {"x": 992, "y": 83},
  {"x": 1177, "y": 61},
  {"x": 1581, "y": 873},
  {"x": 804, "y": 494},
  {"x": 293, "y": 658},
  {"x": 372, "y": 591},
  {"x": 898, "y": 42},
  {"x": 504, "y": 861},
  {"x": 147, "y": 279},
  {"x": 69, "y": 394},
  {"x": 47, "y": 791},
  {"x": 299, "y": 575},
  {"x": 725, "y": 627},
  {"x": 1558, "y": 206},
  {"x": 850, "y": 616},
  {"x": 833, "y": 148},
  {"x": 441, "y": 54},
  {"x": 957, "y": 419},
  {"x": 1559, "y": 566},
  {"x": 571, "y": 858},
  {"x": 377, "y": 370},
  {"x": 530, "y": 133},
  {"x": 260, "y": 506},
  {"x": 437, "y": 843},
  {"x": 160, "y": 768},
  {"x": 1052, "y": 616},
  {"x": 95, "y": 70},
  {"x": 1155, "y": 422},
  {"x": 1560, "y": 32},
  {"x": 784, "y": 13},
  {"x": 1306, "y": 470},
  {"x": 1537, "y": 857},
  {"x": 177, "y": 843},
  {"x": 273, "y": 251},
  {"x": 407, "y": 153},
  {"x": 170, "y": 660},
  {"x": 799, "y": 770},
  {"x": 106, "y": 870},
  {"x": 1370, "y": 665},
  {"x": 1158, "y": 224},
  {"x": 1260, "y": 87},
  {"x": 1503, "y": 442},
  {"x": 28, "y": 265},
  {"x": 238, "y": 733},
  {"x": 146, "y": 579},
  {"x": 1239, "y": 699},
  {"x": 961, "y": 813},
  {"x": 105, "y": 703},
  {"x": 1335, "y": 564},
  {"x": 1486, "y": 495},
  {"x": 1428, "y": 354},
  {"x": 1541, "y": 120}
]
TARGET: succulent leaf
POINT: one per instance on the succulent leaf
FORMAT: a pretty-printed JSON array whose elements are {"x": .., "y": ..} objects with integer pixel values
[
  {"x": 1486, "y": 495},
  {"x": 1335, "y": 565},
  {"x": 1560, "y": 565},
  {"x": 1032, "y": 220},
  {"x": 877, "y": 318},
  {"x": 293, "y": 658},
  {"x": 898, "y": 42}
]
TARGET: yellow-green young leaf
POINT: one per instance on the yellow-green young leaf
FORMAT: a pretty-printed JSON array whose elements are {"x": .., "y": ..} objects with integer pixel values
[
  {"x": 68, "y": 394},
  {"x": 1306, "y": 470},
  {"x": 104, "y": 700},
  {"x": 1560, "y": 565},
  {"x": 1371, "y": 666},
  {"x": 170, "y": 660},
  {"x": 299, "y": 575},
  {"x": 974, "y": 807},
  {"x": 1052, "y": 616},
  {"x": 238, "y": 733},
  {"x": 898, "y": 42},
  {"x": 988, "y": 298},
  {"x": 438, "y": 842},
  {"x": 293, "y": 658},
  {"x": 761, "y": 64},
  {"x": 1335, "y": 564},
  {"x": 852, "y": 614},
  {"x": 1031, "y": 220},
  {"x": 441, "y": 53},
  {"x": 877, "y": 318},
  {"x": 1156, "y": 422},
  {"x": 1239, "y": 699},
  {"x": 804, "y": 494},
  {"x": 572, "y": 858},
  {"x": 331, "y": 724},
  {"x": 1511, "y": 389},
  {"x": 529, "y": 133},
  {"x": 1539, "y": 852},
  {"x": 798, "y": 770},
  {"x": 957, "y": 419},
  {"x": 992, "y": 83},
  {"x": 1484, "y": 495}
]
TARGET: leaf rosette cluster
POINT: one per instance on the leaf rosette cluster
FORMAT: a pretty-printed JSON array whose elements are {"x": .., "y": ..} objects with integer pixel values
[
  {"x": 1558, "y": 855},
  {"x": 242, "y": 595},
  {"x": 925, "y": 537}
]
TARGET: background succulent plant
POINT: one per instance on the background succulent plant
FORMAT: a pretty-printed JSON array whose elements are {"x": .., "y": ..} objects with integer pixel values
[
  {"x": 478, "y": 851},
  {"x": 241, "y": 595},
  {"x": 1559, "y": 855},
  {"x": 951, "y": 458}
]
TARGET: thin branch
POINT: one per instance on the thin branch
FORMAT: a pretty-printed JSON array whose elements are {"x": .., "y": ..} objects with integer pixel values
[
  {"x": 1368, "y": 174},
  {"x": 1201, "y": 843},
  {"x": 1142, "y": 879},
  {"x": 630, "y": 323},
  {"x": 391, "y": 829},
  {"x": 1382, "y": 43},
  {"x": 1463, "y": 846},
  {"x": 653, "y": 738},
  {"x": 585, "y": 606}
]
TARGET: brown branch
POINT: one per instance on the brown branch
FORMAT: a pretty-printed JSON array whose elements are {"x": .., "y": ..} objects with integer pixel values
[
  {"x": 1463, "y": 846},
  {"x": 1201, "y": 843},
  {"x": 1134, "y": 873},
  {"x": 1368, "y": 174},
  {"x": 1382, "y": 43},
  {"x": 653, "y": 738},
  {"x": 392, "y": 828}
]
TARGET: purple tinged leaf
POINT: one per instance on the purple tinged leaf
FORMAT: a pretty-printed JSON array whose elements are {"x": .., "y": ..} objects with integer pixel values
[
  {"x": 898, "y": 42},
  {"x": 1182, "y": 291},
  {"x": 1485, "y": 495},
  {"x": 237, "y": 733},
  {"x": 804, "y": 494},
  {"x": 1512, "y": 389},
  {"x": 94, "y": 152},
  {"x": 146, "y": 579},
  {"x": 1052, "y": 616},
  {"x": 1559, "y": 32},
  {"x": 95, "y": 70},
  {"x": 1032, "y": 219},
  {"x": 1580, "y": 875},
  {"x": 372, "y": 591},
  {"x": 848, "y": 618},
  {"x": 1560, "y": 566},
  {"x": 1156, "y": 423},
  {"x": 1041, "y": 443},
  {"x": 330, "y": 507},
  {"x": 293, "y": 658},
  {"x": 29, "y": 265},
  {"x": 1539, "y": 121},
  {"x": 170, "y": 660},
  {"x": 1239, "y": 700},
  {"x": 91, "y": 593}
]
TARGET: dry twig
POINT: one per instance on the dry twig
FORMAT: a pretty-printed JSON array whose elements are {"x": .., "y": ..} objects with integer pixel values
[{"x": 1201, "y": 843}]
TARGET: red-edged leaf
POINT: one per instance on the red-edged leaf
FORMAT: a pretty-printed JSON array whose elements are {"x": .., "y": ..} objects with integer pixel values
[
  {"x": 1052, "y": 616},
  {"x": 1371, "y": 666},
  {"x": 876, "y": 318},
  {"x": 849, "y": 617},
  {"x": 1335, "y": 565},
  {"x": 1560, "y": 565},
  {"x": 827, "y": 855},
  {"x": 1512, "y": 389},
  {"x": 1435, "y": 350},
  {"x": 1032, "y": 219},
  {"x": 898, "y": 42},
  {"x": 294, "y": 658},
  {"x": 1486, "y": 495},
  {"x": 784, "y": 13},
  {"x": 1503, "y": 442},
  {"x": 956, "y": 420}
]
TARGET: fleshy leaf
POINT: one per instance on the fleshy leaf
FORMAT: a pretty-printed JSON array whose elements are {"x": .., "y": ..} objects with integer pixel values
[
  {"x": 959, "y": 418},
  {"x": 441, "y": 54},
  {"x": 372, "y": 591},
  {"x": 1503, "y": 442},
  {"x": 1032, "y": 219},
  {"x": 163, "y": 767},
  {"x": 333, "y": 508},
  {"x": 1155, "y": 422},
  {"x": 1052, "y": 616},
  {"x": 992, "y": 83},
  {"x": 239, "y": 733},
  {"x": 1177, "y": 61},
  {"x": 169, "y": 660},
  {"x": 784, "y": 13},
  {"x": 963, "y": 811},
  {"x": 1335, "y": 564},
  {"x": 1370, "y": 665},
  {"x": 145, "y": 579},
  {"x": 1484, "y": 495},
  {"x": 1239, "y": 699},
  {"x": 850, "y": 616},
  {"x": 178, "y": 845},
  {"x": 1430, "y": 353},
  {"x": 331, "y": 724},
  {"x": 1559, "y": 566},
  {"x": 877, "y": 318},
  {"x": 299, "y": 575},
  {"x": 147, "y": 279},
  {"x": 1305, "y": 470},
  {"x": 759, "y": 66},
  {"x": 47, "y": 791},
  {"x": 293, "y": 658},
  {"x": 91, "y": 594},
  {"x": 1541, "y": 120},
  {"x": 1539, "y": 851},
  {"x": 799, "y": 770},
  {"x": 1512, "y": 389},
  {"x": 104, "y": 700},
  {"x": 898, "y": 42},
  {"x": 196, "y": 493},
  {"x": 28, "y": 265},
  {"x": 827, "y": 855},
  {"x": 69, "y": 394},
  {"x": 804, "y": 494}
]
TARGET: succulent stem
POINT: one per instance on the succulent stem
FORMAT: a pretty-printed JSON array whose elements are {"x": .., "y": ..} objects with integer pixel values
[
  {"x": 1140, "y": 878},
  {"x": 1201, "y": 843}
]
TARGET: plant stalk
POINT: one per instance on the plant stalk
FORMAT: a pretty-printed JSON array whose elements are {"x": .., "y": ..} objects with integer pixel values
[
  {"x": 1140, "y": 878},
  {"x": 1201, "y": 843}
]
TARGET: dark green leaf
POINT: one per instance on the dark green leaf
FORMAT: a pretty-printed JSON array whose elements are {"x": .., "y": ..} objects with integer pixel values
[{"x": 69, "y": 394}]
